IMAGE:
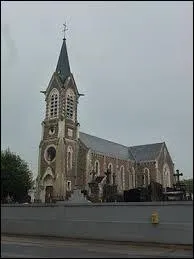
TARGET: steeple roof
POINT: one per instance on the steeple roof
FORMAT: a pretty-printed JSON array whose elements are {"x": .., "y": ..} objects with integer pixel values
[{"x": 63, "y": 67}]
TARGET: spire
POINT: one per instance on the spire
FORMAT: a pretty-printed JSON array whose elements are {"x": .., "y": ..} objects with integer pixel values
[{"x": 63, "y": 67}]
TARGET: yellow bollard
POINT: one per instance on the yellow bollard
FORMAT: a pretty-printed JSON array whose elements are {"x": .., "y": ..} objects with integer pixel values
[{"x": 155, "y": 218}]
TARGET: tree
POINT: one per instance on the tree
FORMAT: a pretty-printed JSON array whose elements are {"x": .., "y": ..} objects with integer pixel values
[
  {"x": 16, "y": 178},
  {"x": 188, "y": 184}
]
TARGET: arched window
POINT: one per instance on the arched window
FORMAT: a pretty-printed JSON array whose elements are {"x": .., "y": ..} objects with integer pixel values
[
  {"x": 159, "y": 176},
  {"x": 158, "y": 173},
  {"x": 68, "y": 185},
  {"x": 110, "y": 167},
  {"x": 69, "y": 157},
  {"x": 143, "y": 180},
  {"x": 133, "y": 178},
  {"x": 97, "y": 167},
  {"x": 130, "y": 184},
  {"x": 70, "y": 100},
  {"x": 130, "y": 180},
  {"x": 53, "y": 104},
  {"x": 146, "y": 176},
  {"x": 166, "y": 176},
  {"x": 122, "y": 176}
]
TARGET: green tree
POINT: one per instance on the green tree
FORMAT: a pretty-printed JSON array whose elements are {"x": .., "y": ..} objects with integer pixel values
[
  {"x": 188, "y": 184},
  {"x": 16, "y": 178}
]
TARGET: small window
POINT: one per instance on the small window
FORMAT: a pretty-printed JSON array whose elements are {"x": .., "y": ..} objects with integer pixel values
[
  {"x": 97, "y": 167},
  {"x": 133, "y": 178},
  {"x": 110, "y": 167},
  {"x": 130, "y": 180},
  {"x": 144, "y": 180},
  {"x": 122, "y": 175},
  {"x": 70, "y": 106},
  {"x": 146, "y": 177},
  {"x": 166, "y": 176},
  {"x": 69, "y": 157},
  {"x": 69, "y": 160},
  {"x": 54, "y": 104},
  {"x": 68, "y": 185}
]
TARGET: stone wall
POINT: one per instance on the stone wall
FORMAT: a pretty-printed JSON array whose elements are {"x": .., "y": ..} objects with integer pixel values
[
  {"x": 140, "y": 167},
  {"x": 105, "y": 221},
  {"x": 104, "y": 162}
]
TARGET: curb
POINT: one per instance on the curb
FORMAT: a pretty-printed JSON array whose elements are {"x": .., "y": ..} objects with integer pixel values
[{"x": 101, "y": 241}]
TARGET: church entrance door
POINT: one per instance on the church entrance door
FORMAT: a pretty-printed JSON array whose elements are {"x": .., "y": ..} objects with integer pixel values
[{"x": 48, "y": 194}]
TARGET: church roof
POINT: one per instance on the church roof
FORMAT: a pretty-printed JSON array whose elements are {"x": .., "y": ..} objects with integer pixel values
[
  {"x": 104, "y": 146},
  {"x": 138, "y": 153},
  {"x": 63, "y": 67},
  {"x": 146, "y": 152}
]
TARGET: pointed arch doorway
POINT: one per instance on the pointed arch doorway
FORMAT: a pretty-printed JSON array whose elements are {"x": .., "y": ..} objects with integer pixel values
[
  {"x": 48, "y": 186},
  {"x": 48, "y": 194}
]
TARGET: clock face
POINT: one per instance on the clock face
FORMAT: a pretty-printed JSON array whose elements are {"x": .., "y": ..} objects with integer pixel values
[
  {"x": 51, "y": 130},
  {"x": 50, "y": 154}
]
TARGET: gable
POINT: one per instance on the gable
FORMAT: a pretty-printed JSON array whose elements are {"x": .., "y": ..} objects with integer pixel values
[
  {"x": 70, "y": 83},
  {"x": 146, "y": 152},
  {"x": 54, "y": 83},
  {"x": 164, "y": 154}
]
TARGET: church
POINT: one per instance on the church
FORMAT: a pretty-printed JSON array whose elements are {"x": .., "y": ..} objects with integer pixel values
[{"x": 67, "y": 157}]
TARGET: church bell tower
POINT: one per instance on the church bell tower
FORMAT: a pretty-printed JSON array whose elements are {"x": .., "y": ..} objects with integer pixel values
[{"x": 58, "y": 149}]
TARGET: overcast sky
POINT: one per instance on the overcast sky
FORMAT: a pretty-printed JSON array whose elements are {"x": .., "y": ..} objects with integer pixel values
[{"x": 132, "y": 60}]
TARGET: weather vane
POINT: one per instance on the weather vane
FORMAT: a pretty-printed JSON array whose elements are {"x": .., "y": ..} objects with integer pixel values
[{"x": 65, "y": 29}]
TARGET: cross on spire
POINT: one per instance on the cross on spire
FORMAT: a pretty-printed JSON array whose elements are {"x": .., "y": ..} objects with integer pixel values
[
  {"x": 65, "y": 29},
  {"x": 63, "y": 67}
]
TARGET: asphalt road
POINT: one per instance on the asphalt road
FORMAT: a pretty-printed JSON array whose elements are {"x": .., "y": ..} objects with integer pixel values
[{"x": 31, "y": 247}]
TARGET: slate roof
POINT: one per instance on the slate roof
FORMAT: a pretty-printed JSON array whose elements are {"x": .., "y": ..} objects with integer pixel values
[
  {"x": 146, "y": 152},
  {"x": 63, "y": 67},
  {"x": 104, "y": 146},
  {"x": 138, "y": 153}
]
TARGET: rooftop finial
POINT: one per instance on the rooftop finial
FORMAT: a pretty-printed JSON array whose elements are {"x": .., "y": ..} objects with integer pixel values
[{"x": 65, "y": 29}]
